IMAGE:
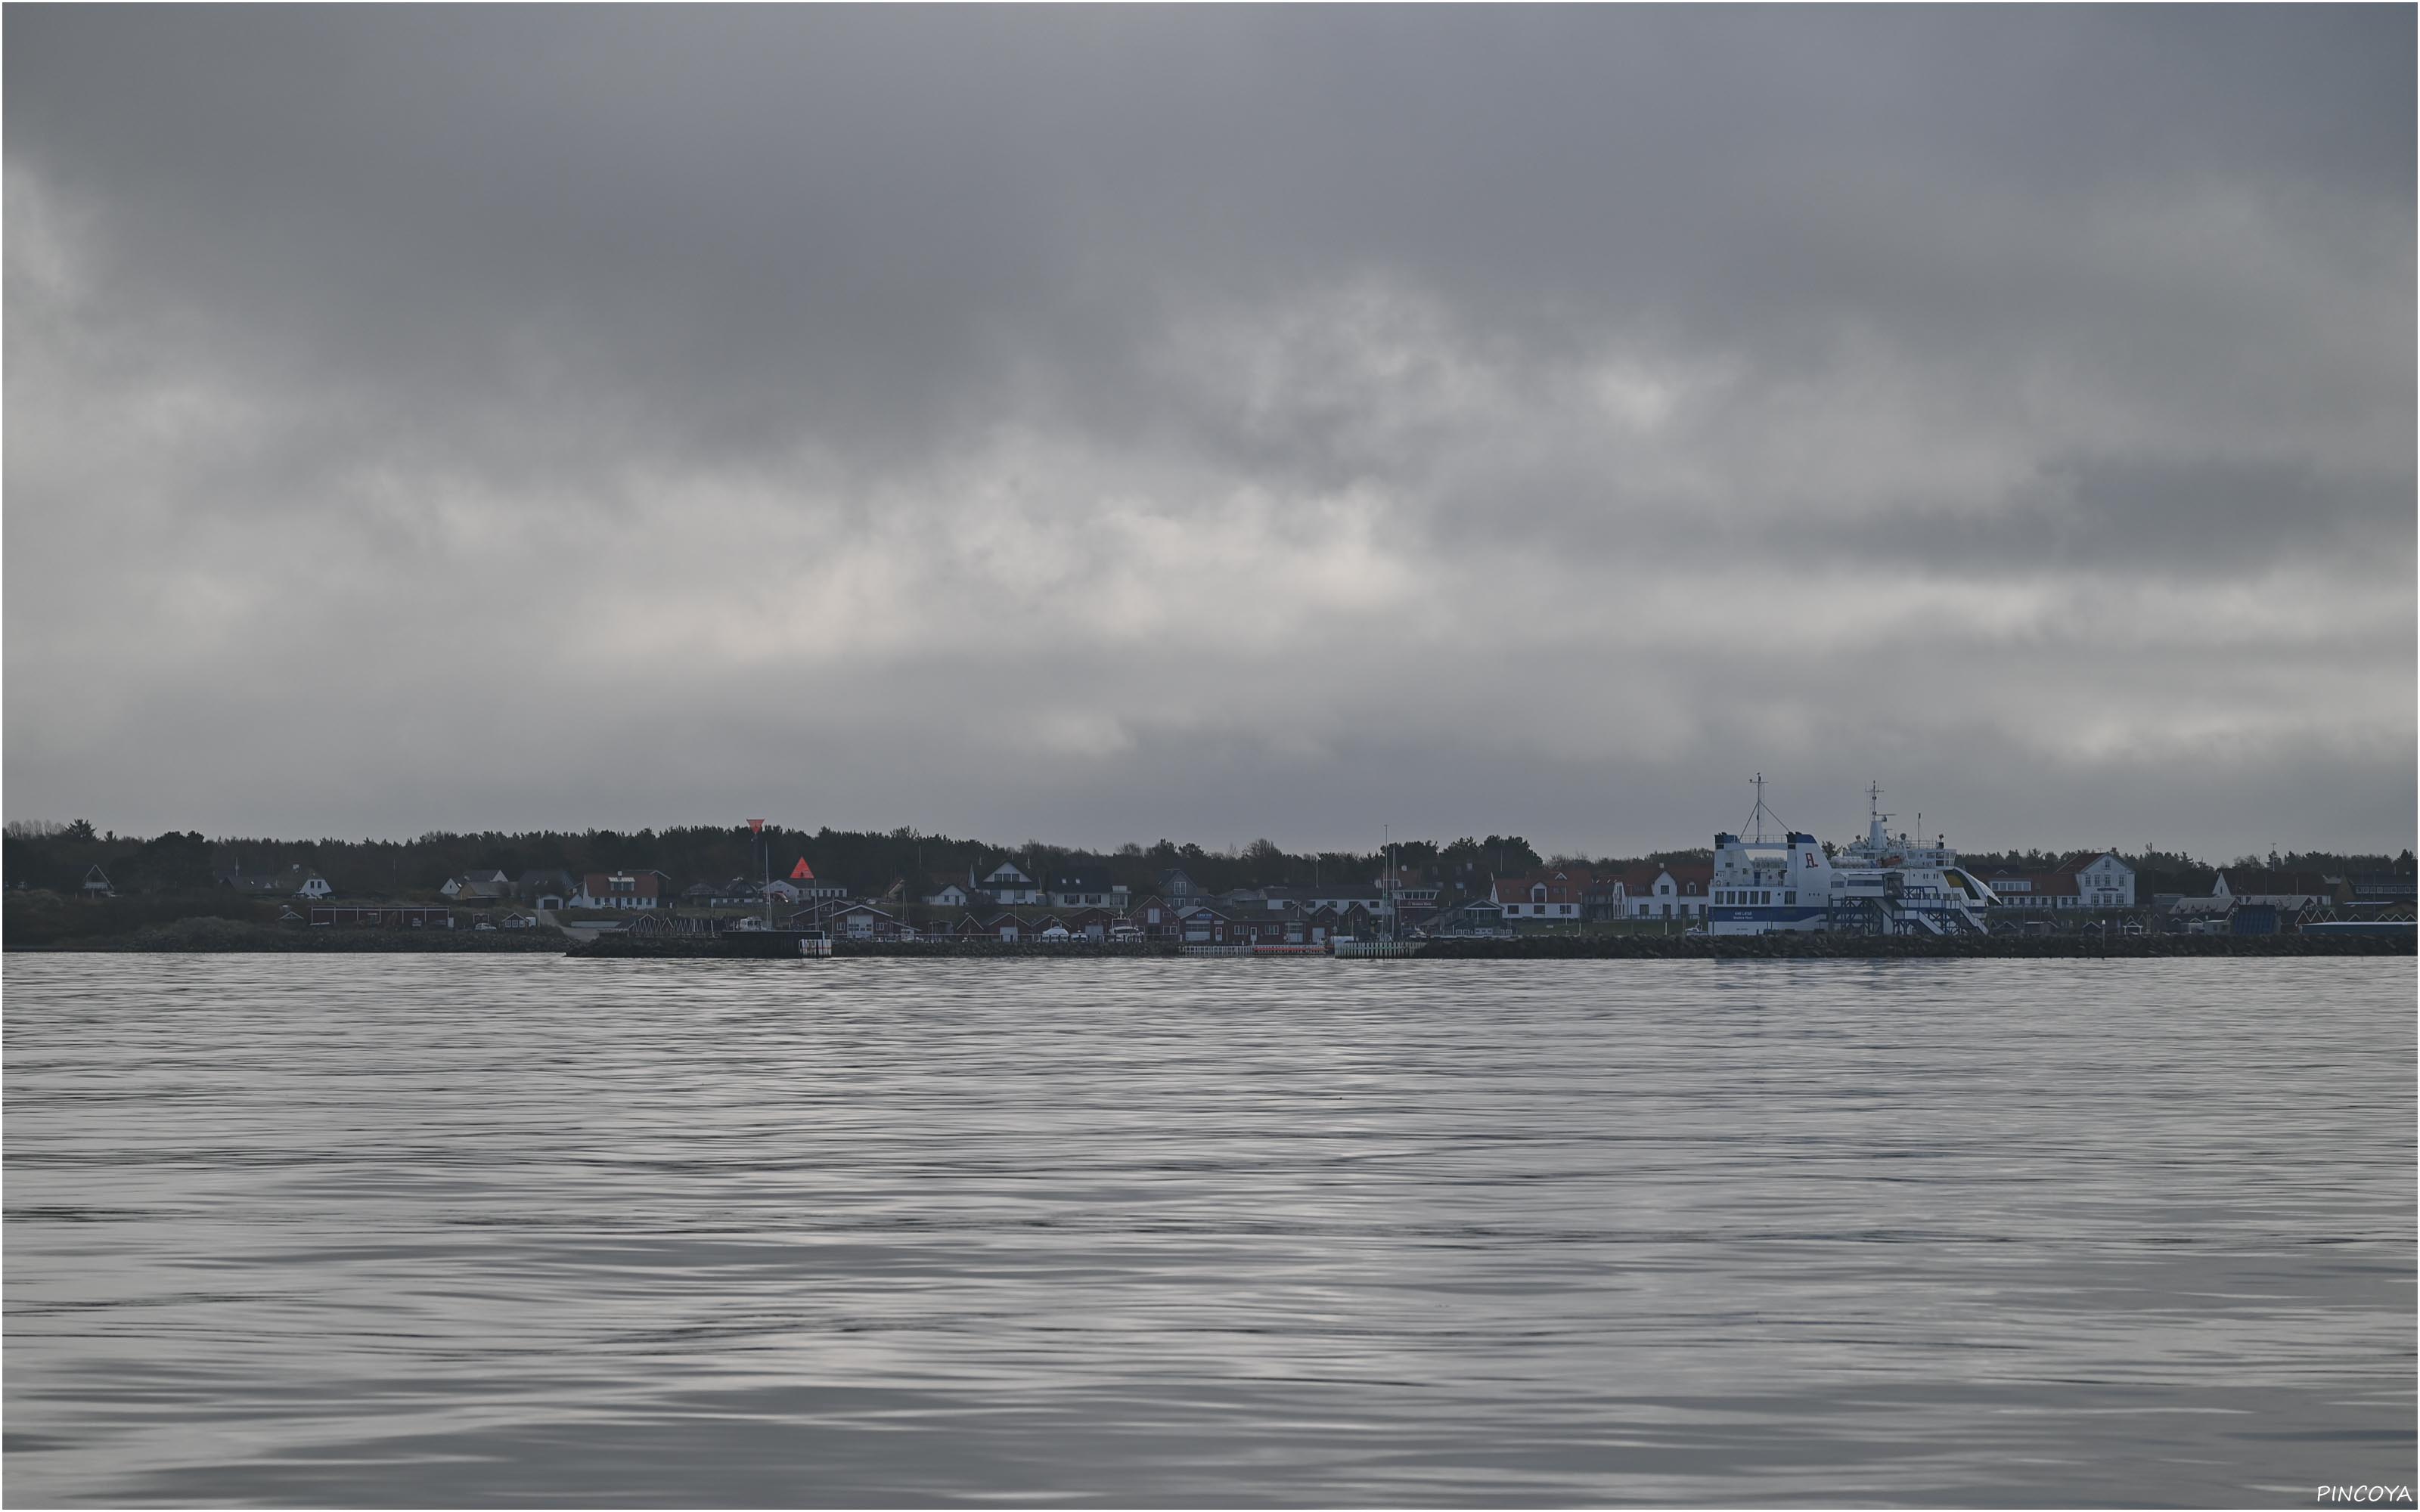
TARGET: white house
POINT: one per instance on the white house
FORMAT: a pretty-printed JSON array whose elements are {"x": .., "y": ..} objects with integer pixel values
[
  {"x": 2083, "y": 880},
  {"x": 1551, "y": 897},
  {"x": 1085, "y": 886},
  {"x": 1659, "y": 892},
  {"x": 2101, "y": 881},
  {"x": 619, "y": 889},
  {"x": 1009, "y": 886},
  {"x": 2034, "y": 889}
]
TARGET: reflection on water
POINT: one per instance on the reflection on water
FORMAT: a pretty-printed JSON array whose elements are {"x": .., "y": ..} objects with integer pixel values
[{"x": 435, "y": 1230}]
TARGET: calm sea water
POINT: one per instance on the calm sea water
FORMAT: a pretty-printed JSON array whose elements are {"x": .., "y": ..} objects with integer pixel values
[{"x": 496, "y": 1230}]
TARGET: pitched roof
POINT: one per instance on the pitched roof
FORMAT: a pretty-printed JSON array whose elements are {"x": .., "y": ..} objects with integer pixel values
[
  {"x": 2265, "y": 883},
  {"x": 1563, "y": 885},
  {"x": 643, "y": 884},
  {"x": 2041, "y": 884}
]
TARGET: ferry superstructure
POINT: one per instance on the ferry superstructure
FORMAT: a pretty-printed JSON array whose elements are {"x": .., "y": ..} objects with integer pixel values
[{"x": 1880, "y": 885}]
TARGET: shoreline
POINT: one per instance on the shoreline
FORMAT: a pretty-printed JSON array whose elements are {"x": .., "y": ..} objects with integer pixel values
[{"x": 782, "y": 947}]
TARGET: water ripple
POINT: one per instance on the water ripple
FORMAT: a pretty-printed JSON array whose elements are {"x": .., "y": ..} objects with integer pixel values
[{"x": 436, "y": 1230}]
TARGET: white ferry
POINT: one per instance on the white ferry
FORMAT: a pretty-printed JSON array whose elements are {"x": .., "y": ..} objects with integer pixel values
[{"x": 1880, "y": 885}]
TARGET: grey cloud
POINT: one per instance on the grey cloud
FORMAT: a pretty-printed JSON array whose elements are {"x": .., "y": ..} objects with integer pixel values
[{"x": 1182, "y": 396}]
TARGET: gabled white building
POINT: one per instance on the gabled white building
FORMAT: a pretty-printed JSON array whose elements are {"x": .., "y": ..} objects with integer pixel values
[
  {"x": 2083, "y": 881},
  {"x": 1676, "y": 891},
  {"x": 619, "y": 889},
  {"x": 1553, "y": 896},
  {"x": 2103, "y": 881},
  {"x": 1009, "y": 886}
]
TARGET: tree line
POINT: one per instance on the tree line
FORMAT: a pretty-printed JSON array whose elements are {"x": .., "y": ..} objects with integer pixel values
[{"x": 56, "y": 856}]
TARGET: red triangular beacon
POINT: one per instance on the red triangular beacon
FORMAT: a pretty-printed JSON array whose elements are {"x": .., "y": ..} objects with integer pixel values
[
  {"x": 755, "y": 827},
  {"x": 802, "y": 871}
]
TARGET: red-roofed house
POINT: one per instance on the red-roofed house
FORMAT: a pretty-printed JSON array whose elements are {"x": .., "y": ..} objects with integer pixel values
[
  {"x": 2034, "y": 889},
  {"x": 1677, "y": 891},
  {"x": 2087, "y": 879},
  {"x": 1553, "y": 896},
  {"x": 620, "y": 889}
]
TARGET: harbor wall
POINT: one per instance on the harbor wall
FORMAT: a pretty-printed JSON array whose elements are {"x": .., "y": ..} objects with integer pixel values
[{"x": 222, "y": 936}]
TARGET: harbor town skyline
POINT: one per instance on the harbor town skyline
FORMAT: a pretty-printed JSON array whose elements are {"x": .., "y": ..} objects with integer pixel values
[{"x": 1109, "y": 424}]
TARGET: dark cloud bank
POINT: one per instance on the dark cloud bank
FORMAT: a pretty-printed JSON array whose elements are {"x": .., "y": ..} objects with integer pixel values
[{"x": 1109, "y": 424}]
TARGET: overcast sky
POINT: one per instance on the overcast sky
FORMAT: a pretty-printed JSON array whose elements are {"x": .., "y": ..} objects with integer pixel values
[{"x": 1112, "y": 423}]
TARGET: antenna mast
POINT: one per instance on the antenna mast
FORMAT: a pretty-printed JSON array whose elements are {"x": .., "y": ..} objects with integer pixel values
[
  {"x": 1756, "y": 820},
  {"x": 1389, "y": 835}
]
